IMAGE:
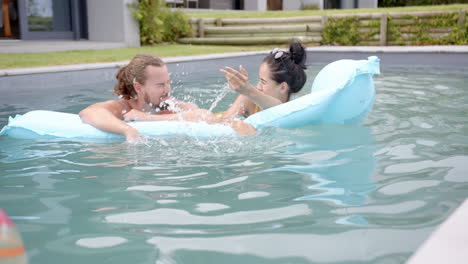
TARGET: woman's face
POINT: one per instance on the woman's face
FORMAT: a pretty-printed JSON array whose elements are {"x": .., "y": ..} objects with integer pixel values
[
  {"x": 157, "y": 87},
  {"x": 268, "y": 85}
]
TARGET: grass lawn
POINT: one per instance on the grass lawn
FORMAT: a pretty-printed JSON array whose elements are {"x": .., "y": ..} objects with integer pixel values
[
  {"x": 266, "y": 14},
  {"x": 22, "y": 60}
]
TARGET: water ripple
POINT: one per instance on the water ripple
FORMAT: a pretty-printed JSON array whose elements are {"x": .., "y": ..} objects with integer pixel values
[{"x": 165, "y": 216}]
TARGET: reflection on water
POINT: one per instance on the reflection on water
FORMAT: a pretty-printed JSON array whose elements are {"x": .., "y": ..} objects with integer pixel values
[
  {"x": 182, "y": 217},
  {"x": 100, "y": 242},
  {"x": 331, "y": 160},
  {"x": 367, "y": 193},
  {"x": 457, "y": 169},
  {"x": 349, "y": 246}
]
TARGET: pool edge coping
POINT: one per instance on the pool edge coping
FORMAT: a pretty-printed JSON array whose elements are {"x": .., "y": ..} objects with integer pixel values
[
  {"x": 463, "y": 49},
  {"x": 445, "y": 244}
]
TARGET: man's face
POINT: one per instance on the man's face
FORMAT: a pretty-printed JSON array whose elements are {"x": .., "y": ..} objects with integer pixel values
[{"x": 157, "y": 87}]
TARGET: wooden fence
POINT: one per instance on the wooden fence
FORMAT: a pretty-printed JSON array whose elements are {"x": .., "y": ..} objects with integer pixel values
[{"x": 409, "y": 28}]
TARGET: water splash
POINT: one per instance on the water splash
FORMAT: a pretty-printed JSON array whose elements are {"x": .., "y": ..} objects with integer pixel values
[{"x": 222, "y": 93}]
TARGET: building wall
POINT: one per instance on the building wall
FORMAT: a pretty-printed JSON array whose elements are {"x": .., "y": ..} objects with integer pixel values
[
  {"x": 112, "y": 20},
  {"x": 296, "y": 4},
  {"x": 345, "y": 4},
  {"x": 256, "y": 5},
  {"x": 216, "y": 4},
  {"x": 349, "y": 4},
  {"x": 367, "y": 3}
]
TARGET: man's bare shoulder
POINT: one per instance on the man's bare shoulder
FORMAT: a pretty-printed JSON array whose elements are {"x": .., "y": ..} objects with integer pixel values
[
  {"x": 113, "y": 104},
  {"x": 116, "y": 107}
]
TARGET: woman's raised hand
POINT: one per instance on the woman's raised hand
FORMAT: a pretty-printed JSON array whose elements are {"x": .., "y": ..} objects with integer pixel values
[{"x": 238, "y": 80}]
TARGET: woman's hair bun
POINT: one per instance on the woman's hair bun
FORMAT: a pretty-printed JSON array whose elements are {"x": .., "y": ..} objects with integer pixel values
[{"x": 298, "y": 53}]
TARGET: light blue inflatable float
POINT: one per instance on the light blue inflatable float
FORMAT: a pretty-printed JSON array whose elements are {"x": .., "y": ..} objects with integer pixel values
[{"x": 342, "y": 93}]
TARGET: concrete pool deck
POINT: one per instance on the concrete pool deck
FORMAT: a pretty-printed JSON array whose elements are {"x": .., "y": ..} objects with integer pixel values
[{"x": 448, "y": 243}]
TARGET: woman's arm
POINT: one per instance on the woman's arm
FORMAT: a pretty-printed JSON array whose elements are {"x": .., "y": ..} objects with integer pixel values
[
  {"x": 242, "y": 128},
  {"x": 239, "y": 82},
  {"x": 242, "y": 106},
  {"x": 107, "y": 116}
]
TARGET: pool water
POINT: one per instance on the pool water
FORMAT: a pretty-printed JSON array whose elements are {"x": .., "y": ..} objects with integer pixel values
[{"x": 367, "y": 193}]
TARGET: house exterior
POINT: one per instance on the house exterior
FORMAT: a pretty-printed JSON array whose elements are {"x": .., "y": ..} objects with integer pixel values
[
  {"x": 112, "y": 20},
  {"x": 97, "y": 20},
  {"x": 263, "y": 5},
  {"x": 329, "y": 4}
]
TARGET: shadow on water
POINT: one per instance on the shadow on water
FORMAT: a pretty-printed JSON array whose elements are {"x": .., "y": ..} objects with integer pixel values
[{"x": 339, "y": 159}]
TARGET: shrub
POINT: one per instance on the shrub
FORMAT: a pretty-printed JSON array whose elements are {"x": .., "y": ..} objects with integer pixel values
[
  {"x": 176, "y": 25},
  {"x": 341, "y": 31},
  {"x": 458, "y": 34},
  {"x": 440, "y": 29},
  {"x": 394, "y": 3},
  {"x": 158, "y": 23},
  {"x": 309, "y": 7}
]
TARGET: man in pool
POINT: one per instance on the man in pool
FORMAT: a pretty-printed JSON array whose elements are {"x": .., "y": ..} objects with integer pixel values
[{"x": 144, "y": 87}]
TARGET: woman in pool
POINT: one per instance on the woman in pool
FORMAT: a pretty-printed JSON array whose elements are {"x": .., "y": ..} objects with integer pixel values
[{"x": 281, "y": 74}]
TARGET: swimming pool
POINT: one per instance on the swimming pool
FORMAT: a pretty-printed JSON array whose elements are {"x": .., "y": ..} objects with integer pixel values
[{"x": 368, "y": 193}]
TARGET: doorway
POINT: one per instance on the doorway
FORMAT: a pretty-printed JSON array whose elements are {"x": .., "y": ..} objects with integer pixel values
[
  {"x": 274, "y": 5},
  {"x": 9, "y": 19},
  {"x": 47, "y": 19}
]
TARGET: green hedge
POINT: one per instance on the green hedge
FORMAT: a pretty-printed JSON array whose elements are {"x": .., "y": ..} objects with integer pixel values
[
  {"x": 341, "y": 31},
  {"x": 345, "y": 31},
  {"x": 457, "y": 36},
  {"x": 395, "y": 3},
  {"x": 158, "y": 23}
]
